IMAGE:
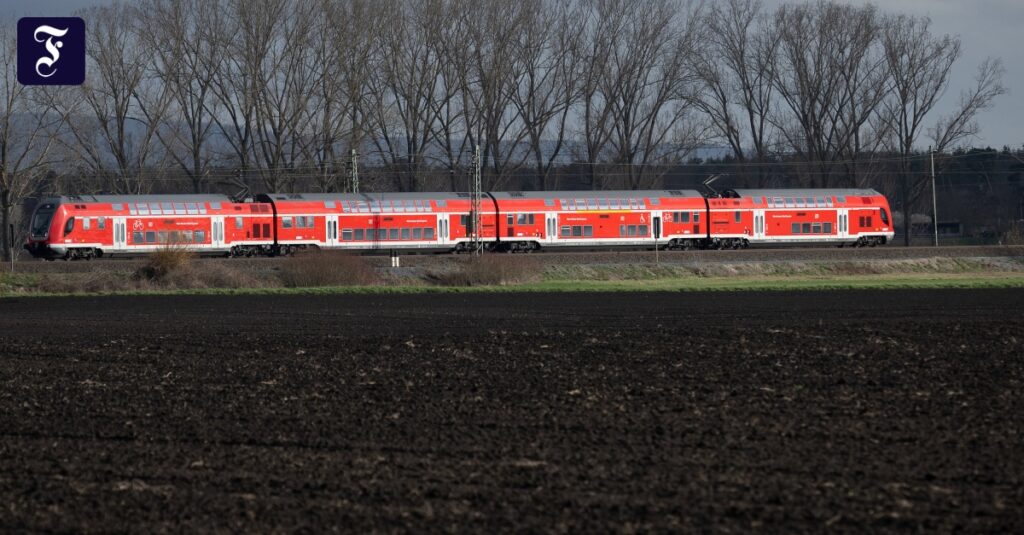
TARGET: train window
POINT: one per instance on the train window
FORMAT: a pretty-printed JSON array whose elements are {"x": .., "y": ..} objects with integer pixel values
[
  {"x": 800, "y": 202},
  {"x": 142, "y": 208},
  {"x": 256, "y": 231},
  {"x": 69, "y": 226},
  {"x": 789, "y": 202},
  {"x": 214, "y": 206},
  {"x": 200, "y": 236},
  {"x": 642, "y": 229},
  {"x": 870, "y": 224},
  {"x": 654, "y": 201},
  {"x": 737, "y": 216},
  {"x": 150, "y": 236},
  {"x": 549, "y": 202},
  {"x": 530, "y": 219},
  {"x": 696, "y": 217},
  {"x": 565, "y": 232},
  {"x": 577, "y": 231},
  {"x": 827, "y": 228},
  {"x": 631, "y": 230},
  {"x": 840, "y": 199},
  {"x": 417, "y": 234},
  {"x": 286, "y": 222},
  {"x": 588, "y": 231},
  {"x": 393, "y": 233},
  {"x": 192, "y": 208},
  {"x": 602, "y": 204},
  {"x": 884, "y": 215},
  {"x": 101, "y": 223},
  {"x": 806, "y": 228},
  {"x": 464, "y": 220},
  {"x": 358, "y": 234},
  {"x": 828, "y": 202},
  {"x": 410, "y": 206},
  {"x": 117, "y": 207},
  {"x": 405, "y": 234},
  {"x": 86, "y": 223},
  {"x": 202, "y": 208},
  {"x": 382, "y": 234},
  {"x": 581, "y": 204},
  {"x": 684, "y": 217},
  {"x": 816, "y": 228},
  {"x": 137, "y": 237},
  {"x": 510, "y": 219},
  {"x": 779, "y": 202},
  {"x": 154, "y": 208},
  {"x": 428, "y": 234},
  {"x": 238, "y": 223},
  {"x": 346, "y": 234},
  {"x": 329, "y": 205},
  {"x": 821, "y": 202},
  {"x": 523, "y": 219},
  {"x": 771, "y": 202},
  {"x": 179, "y": 208},
  {"x": 796, "y": 228},
  {"x": 622, "y": 230},
  {"x": 860, "y": 221},
  {"x": 444, "y": 204},
  {"x": 186, "y": 236}
]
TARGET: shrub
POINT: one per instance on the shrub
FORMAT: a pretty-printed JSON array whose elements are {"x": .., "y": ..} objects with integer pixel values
[
  {"x": 164, "y": 262},
  {"x": 490, "y": 270},
  {"x": 1015, "y": 235},
  {"x": 326, "y": 269}
]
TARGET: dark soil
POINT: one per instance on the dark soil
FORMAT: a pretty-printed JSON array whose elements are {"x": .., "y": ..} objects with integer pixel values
[{"x": 839, "y": 411}]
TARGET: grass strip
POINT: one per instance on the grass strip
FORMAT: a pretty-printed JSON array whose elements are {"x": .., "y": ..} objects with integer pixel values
[{"x": 689, "y": 284}]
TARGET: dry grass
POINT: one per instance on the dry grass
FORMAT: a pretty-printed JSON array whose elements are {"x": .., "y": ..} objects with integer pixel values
[
  {"x": 326, "y": 269},
  {"x": 1014, "y": 236},
  {"x": 490, "y": 270}
]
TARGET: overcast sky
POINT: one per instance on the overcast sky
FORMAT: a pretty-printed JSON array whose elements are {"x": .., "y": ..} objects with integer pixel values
[{"x": 986, "y": 28}]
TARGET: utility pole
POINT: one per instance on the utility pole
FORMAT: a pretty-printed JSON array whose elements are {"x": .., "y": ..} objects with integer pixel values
[
  {"x": 935, "y": 209},
  {"x": 475, "y": 194},
  {"x": 354, "y": 174}
]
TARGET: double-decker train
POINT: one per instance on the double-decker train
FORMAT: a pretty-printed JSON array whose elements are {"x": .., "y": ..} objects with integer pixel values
[{"x": 88, "y": 226}]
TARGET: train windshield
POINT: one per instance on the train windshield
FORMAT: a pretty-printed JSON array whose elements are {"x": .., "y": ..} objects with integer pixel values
[
  {"x": 885, "y": 216},
  {"x": 41, "y": 220}
]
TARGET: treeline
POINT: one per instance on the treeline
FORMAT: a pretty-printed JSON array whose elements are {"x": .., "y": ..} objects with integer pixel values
[{"x": 276, "y": 95}]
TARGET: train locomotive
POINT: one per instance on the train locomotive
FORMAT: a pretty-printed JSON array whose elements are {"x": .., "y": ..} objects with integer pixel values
[{"x": 91, "y": 226}]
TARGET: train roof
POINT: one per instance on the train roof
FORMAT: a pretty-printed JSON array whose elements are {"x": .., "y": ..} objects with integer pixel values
[
  {"x": 510, "y": 195},
  {"x": 807, "y": 192},
  {"x": 208, "y": 197},
  {"x": 594, "y": 194}
]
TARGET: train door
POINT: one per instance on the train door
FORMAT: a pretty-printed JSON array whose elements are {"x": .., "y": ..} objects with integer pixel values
[
  {"x": 217, "y": 232},
  {"x": 442, "y": 229},
  {"x": 843, "y": 223},
  {"x": 656, "y": 227},
  {"x": 759, "y": 224},
  {"x": 332, "y": 231},
  {"x": 551, "y": 230},
  {"x": 120, "y": 234}
]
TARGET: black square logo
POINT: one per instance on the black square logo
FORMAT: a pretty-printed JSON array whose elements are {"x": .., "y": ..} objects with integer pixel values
[{"x": 51, "y": 51}]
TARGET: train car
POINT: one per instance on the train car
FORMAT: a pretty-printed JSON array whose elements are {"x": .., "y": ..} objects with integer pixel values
[
  {"x": 858, "y": 217},
  {"x": 362, "y": 221},
  {"x": 532, "y": 220},
  {"x": 90, "y": 226}
]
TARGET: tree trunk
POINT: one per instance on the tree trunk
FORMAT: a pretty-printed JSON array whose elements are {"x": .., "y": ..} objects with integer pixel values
[{"x": 7, "y": 217}]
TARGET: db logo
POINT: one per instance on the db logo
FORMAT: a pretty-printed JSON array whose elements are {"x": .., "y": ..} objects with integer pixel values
[{"x": 51, "y": 51}]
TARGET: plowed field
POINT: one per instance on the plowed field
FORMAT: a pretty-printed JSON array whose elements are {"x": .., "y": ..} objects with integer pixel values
[{"x": 866, "y": 411}]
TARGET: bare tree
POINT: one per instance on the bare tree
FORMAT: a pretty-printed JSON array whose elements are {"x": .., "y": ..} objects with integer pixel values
[
  {"x": 184, "y": 36},
  {"x": 113, "y": 131},
  {"x": 649, "y": 89},
  {"x": 830, "y": 77},
  {"x": 404, "y": 88},
  {"x": 28, "y": 126},
  {"x": 548, "y": 49},
  {"x": 738, "y": 82}
]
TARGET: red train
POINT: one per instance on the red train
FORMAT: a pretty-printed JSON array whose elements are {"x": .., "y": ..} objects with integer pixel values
[{"x": 87, "y": 226}]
